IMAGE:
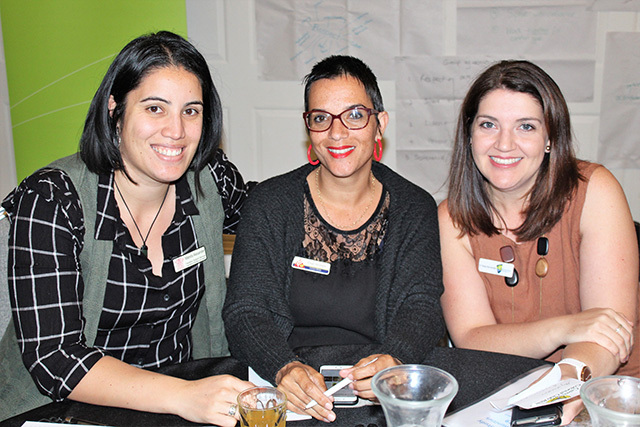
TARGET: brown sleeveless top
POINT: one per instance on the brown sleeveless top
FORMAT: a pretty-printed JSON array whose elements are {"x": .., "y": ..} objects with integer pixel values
[{"x": 556, "y": 294}]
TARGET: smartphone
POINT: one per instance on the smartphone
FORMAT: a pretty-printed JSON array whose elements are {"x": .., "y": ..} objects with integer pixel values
[
  {"x": 331, "y": 376},
  {"x": 549, "y": 415}
]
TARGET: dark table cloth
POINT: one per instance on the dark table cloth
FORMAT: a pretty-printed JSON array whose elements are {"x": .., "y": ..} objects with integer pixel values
[{"x": 478, "y": 374}]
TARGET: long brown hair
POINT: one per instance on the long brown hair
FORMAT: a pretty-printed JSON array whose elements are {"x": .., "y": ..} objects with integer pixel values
[{"x": 469, "y": 203}]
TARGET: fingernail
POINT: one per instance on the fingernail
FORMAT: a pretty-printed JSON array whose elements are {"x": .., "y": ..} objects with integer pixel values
[
  {"x": 328, "y": 406},
  {"x": 331, "y": 417}
]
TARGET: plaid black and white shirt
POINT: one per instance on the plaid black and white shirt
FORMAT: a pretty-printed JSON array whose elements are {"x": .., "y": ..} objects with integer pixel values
[{"x": 145, "y": 320}]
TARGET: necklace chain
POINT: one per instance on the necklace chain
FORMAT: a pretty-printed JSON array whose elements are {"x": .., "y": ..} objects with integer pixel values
[
  {"x": 326, "y": 211},
  {"x": 144, "y": 249}
]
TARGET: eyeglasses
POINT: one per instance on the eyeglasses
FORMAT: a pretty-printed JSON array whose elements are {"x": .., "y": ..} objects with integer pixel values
[
  {"x": 352, "y": 118},
  {"x": 542, "y": 265}
]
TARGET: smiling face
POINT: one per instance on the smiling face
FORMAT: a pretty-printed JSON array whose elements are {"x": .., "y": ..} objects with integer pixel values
[
  {"x": 509, "y": 137},
  {"x": 161, "y": 126},
  {"x": 342, "y": 151}
]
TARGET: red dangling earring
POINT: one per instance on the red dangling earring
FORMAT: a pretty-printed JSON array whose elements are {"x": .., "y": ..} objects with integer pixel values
[
  {"x": 377, "y": 155},
  {"x": 309, "y": 157}
]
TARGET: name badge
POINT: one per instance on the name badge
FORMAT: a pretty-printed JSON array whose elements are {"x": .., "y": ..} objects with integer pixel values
[
  {"x": 499, "y": 268},
  {"x": 311, "y": 265},
  {"x": 187, "y": 260}
]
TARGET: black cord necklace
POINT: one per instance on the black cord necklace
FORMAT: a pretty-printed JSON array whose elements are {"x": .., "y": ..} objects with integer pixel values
[{"x": 144, "y": 248}]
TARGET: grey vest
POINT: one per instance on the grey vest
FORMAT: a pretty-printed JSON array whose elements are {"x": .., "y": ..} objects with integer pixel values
[{"x": 18, "y": 392}]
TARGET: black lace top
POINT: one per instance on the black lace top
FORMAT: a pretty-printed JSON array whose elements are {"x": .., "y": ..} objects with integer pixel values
[{"x": 338, "y": 308}]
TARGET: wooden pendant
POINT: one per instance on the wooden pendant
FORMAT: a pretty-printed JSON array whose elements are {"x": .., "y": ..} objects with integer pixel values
[{"x": 542, "y": 267}]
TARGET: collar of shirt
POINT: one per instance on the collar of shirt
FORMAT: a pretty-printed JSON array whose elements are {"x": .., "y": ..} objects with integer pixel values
[{"x": 109, "y": 226}]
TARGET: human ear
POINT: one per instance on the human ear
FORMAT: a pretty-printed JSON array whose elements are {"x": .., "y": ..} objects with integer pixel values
[
  {"x": 112, "y": 105},
  {"x": 383, "y": 120}
]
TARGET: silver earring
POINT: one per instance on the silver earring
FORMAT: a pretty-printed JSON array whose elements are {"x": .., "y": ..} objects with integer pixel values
[
  {"x": 118, "y": 139},
  {"x": 547, "y": 149}
]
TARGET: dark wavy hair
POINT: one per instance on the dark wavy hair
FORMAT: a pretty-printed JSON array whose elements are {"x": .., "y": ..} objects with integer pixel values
[
  {"x": 469, "y": 203},
  {"x": 99, "y": 146},
  {"x": 342, "y": 65}
]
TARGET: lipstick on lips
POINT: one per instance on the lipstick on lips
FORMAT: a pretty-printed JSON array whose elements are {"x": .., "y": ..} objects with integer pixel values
[{"x": 340, "y": 152}]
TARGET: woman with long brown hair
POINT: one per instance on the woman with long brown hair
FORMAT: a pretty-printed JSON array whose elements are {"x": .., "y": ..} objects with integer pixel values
[{"x": 539, "y": 253}]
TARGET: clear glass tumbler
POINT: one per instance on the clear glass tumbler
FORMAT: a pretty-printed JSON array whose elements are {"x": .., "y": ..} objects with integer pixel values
[
  {"x": 612, "y": 401},
  {"x": 262, "y": 407},
  {"x": 414, "y": 395}
]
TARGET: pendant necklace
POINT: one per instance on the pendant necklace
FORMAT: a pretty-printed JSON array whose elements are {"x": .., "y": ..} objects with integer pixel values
[
  {"x": 507, "y": 254},
  {"x": 542, "y": 265},
  {"x": 326, "y": 211},
  {"x": 144, "y": 249}
]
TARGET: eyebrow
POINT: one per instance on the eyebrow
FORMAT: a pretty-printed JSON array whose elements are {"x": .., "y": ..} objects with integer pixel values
[
  {"x": 157, "y": 98},
  {"x": 347, "y": 108},
  {"x": 522, "y": 119}
]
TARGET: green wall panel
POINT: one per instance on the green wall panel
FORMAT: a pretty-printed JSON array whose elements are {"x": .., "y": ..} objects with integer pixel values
[{"x": 57, "y": 52}]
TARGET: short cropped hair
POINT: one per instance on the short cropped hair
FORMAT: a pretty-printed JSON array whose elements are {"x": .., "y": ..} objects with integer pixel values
[
  {"x": 469, "y": 204},
  {"x": 99, "y": 142},
  {"x": 342, "y": 65}
]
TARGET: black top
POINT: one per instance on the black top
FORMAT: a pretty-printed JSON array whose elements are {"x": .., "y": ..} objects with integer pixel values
[{"x": 338, "y": 308}]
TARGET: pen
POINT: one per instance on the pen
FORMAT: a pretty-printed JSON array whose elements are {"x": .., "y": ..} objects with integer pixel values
[{"x": 340, "y": 385}]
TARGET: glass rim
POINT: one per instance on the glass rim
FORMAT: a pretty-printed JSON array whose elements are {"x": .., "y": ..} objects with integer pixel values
[
  {"x": 610, "y": 412},
  {"x": 269, "y": 389},
  {"x": 415, "y": 368}
]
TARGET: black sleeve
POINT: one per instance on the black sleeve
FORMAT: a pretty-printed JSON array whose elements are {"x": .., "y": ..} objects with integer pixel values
[
  {"x": 45, "y": 281},
  {"x": 232, "y": 189}
]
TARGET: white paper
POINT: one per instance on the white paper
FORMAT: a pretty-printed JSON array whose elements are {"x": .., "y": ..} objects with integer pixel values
[
  {"x": 295, "y": 34},
  {"x": 615, "y": 5},
  {"x": 438, "y": 77},
  {"x": 543, "y": 32},
  {"x": 483, "y": 414},
  {"x": 574, "y": 77},
  {"x": 416, "y": 37},
  {"x": 426, "y": 123},
  {"x": 292, "y": 35},
  {"x": 45, "y": 424},
  {"x": 555, "y": 393},
  {"x": 548, "y": 390},
  {"x": 620, "y": 109},
  {"x": 427, "y": 169},
  {"x": 38, "y": 424},
  {"x": 551, "y": 378}
]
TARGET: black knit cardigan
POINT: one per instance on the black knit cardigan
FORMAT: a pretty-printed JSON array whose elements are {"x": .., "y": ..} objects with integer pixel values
[{"x": 408, "y": 314}]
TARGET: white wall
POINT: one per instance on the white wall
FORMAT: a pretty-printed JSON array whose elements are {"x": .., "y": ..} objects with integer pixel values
[{"x": 264, "y": 132}]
